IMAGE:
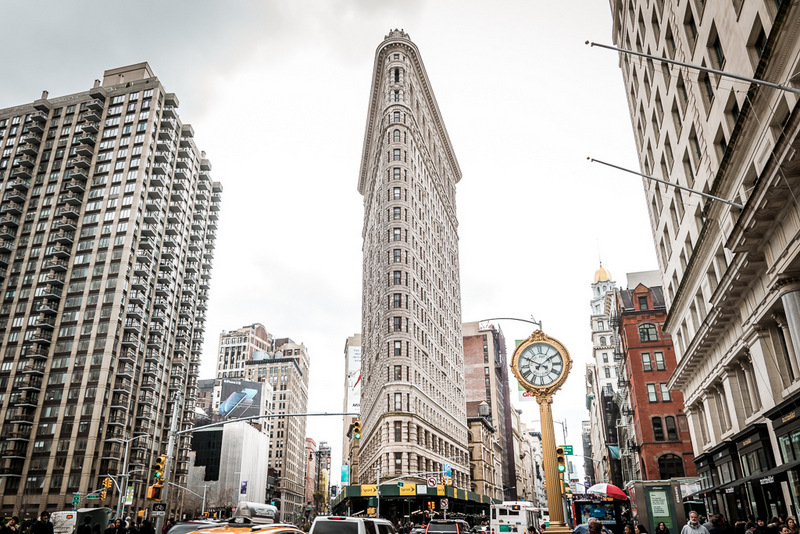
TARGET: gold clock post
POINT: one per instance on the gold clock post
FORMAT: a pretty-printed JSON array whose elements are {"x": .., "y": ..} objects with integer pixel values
[{"x": 541, "y": 365}]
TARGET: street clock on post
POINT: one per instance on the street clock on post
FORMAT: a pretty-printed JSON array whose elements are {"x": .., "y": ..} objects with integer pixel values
[{"x": 541, "y": 365}]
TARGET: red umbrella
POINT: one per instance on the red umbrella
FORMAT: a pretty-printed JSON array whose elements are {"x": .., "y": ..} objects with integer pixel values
[{"x": 607, "y": 490}]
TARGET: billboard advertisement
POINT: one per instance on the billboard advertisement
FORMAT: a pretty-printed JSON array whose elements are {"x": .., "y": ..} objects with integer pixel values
[
  {"x": 239, "y": 398},
  {"x": 354, "y": 379}
]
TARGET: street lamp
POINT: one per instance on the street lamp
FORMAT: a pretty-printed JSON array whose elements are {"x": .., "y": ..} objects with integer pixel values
[{"x": 125, "y": 473}]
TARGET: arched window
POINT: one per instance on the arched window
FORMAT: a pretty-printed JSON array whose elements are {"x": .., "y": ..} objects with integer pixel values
[
  {"x": 658, "y": 429},
  {"x": 602, "y": 341},
  {"x": 396, "y": 75},
  {"x": 670, "y": 466},
  {"x": 648, "y": 332},
  {"x": 396, "y": 136},
  {"x": 672, "y": 430}
]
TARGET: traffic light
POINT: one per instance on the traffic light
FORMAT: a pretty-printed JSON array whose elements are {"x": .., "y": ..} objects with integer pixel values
[
  {"x": 103, "y": 495},
  {"x": 561, "y": 460},
  {"x": 158, "y": 470},
  {"x": 357, "y": 429},
  {"x": 107, "y": 482}
]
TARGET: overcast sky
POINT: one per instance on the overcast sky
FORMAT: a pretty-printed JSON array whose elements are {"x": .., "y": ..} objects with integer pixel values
[{"x": 277, "y": 93}]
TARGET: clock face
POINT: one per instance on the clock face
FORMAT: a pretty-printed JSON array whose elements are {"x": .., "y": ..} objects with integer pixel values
[{"x": 540, "y": 364}]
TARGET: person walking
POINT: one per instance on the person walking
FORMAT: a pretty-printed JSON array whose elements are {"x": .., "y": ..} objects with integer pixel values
[
  {"x": 110, "y": 528},
  {"x": 147, "y": 527},
  {"x": 694, "y": 526},
  {"x": 86, "y": 527},
  {"x": 12, "y": 527},
  {"x": 43, "y": 524},
  {"x": 662, "y": 528}
]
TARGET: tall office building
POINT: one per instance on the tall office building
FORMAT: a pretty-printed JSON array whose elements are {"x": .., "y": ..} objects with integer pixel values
[
  {"x": 108, "y": 221},
  {"x": 352, "y": 404},
  {"x": 254, "y": 354},
  {"x": 729, "y": 272},
  {"x": 413, "y": 405},
  {"x": 486, "y": 370}
]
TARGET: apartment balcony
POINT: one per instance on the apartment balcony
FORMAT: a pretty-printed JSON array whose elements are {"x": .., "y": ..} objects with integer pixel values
[
  {"x": 156, "y": 193},
  {"x": 39, "y": 117},
  {"x": 81, "y": 162},
  {"x": 180, "y": 348},
  {"x": 6, "y": 245},
  {"x": 147, "y": 243},
  {"x": 11, "y": 208},
  {"x": 61, "y": 251},
  {"x": 86, "y": 135},
  {"x": 182, "y": 175},
  {"x": 37, "y": 352},
  {"x": 28, "y": 149},
  {"x": 93, "y": 115},
  {"x": 212, "y": 224},
  {"x": 168, "y": 112},
  {"x": 191, "y": 267},
  {"x": 132, "y": 325},
  {"x": 188, "y": 290},
  {"x": 170, "y": 241},
  {"x": 21, "y": 434},
  {"x": 168, "y": 253},
  {"x": 140, "y": 282},
  {"x": 135, "y": 312},
  {"x": 151, "y": 370},
  {"x": 31, "y": 383},
  {"x": 15, "y": 195},
  {"x": 85, "y": 150},
  {"x": 160, "y": 303},
  {"x": 117, "y": 419},
  {"x": 149, "y": 384},
  {"x": 76, "y": 186},
  {"x": 17, "y": 450},
  {"x": 4, "y": 259},
  {"x": 185, "y": 312},
  {"x": 152, "y": 356},
  {"x": 135, "y": 297},
  {"x": 25, "y": 161},
  {"x": 21, "y": 416},
  {"x": 68, "y": 211},
  {"x": 51, "y": 292},
  {"x": 166, "y": 144},
  {"x": 120, "y": 401},
  {"x": 158, "y": 317},
  {"x": 95, "y": 104},
  {"x": 130, "y": 340},
  {"x": 163, "y": 290},
  {"x": 36, "y": 368},
  {"x": 165, "y": 278},
  {"x": 10, "y": 220},
  {"x": 156, "y": 331},
  {"x": 66, "y": 224},
  {"x": 42, "y": 336},
  {"x": 144, "y": 426},
  {"x": 125, "y": 371},
  {"x": 35, "y": 127},
  {"x": 31, "y": 138},
  {"x": 46, "y": 307}
]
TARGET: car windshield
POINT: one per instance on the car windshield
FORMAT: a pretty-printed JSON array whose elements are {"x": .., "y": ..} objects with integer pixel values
[{"x": 336, "y": 527}]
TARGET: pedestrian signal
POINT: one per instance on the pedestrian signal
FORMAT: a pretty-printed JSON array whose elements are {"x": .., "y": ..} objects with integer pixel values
[
  {"x": 357, "y": 429},
  {"x": 561, "y": 460}
]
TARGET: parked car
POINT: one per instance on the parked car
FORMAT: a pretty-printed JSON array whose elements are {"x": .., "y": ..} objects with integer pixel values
[
  {"x": 337, "y": 524},
  {"x": 249, "y": 517}
]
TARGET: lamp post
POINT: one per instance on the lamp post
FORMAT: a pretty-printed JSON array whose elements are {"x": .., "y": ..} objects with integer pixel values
[{"x": 125, "y": 473}]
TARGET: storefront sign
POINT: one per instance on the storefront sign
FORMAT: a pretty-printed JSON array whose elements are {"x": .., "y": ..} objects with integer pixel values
[
  {"x": 767, "y": 480},
  {"x": 369, "y": 490},
  {"x": 747, "y": 442},
  {"x": 788, "y": 417},
  {"x": 729, "y": 490}
]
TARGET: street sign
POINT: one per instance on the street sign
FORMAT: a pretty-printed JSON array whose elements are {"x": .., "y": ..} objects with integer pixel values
[
  {"x": 431, "y": 482},
  {"x": 159, "y": 509},
  {"x": 93, "y": 496},
  {"x": 567, "y": 450},
  {"x": 443, "y": 503},
  {"x": 76, "y": 499}
]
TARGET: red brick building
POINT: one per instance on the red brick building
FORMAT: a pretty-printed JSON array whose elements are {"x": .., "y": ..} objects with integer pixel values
[{"x": 659, "y": 444}]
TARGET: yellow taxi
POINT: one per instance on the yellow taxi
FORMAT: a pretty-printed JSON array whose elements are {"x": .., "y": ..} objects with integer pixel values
[{"x": 251, "y": 517}]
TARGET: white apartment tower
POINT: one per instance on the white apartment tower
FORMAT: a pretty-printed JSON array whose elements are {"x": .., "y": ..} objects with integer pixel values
[
  {"x": 413, "y": 406},
  {"x": 107, "y": 229}
]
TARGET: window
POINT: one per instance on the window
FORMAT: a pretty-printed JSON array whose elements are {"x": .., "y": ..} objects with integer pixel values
[
  {"x": 643, "y": 303},
  {"x": 398, "y": 401},
  {"x": 660, "y": 364},
  {"x": 397, "y": 255},
  {"x": 397, "y": 300},
  {"x": 397, "y": 214},
  {"x": 398, "y": 348},
  {"x": 652, "y": 394},
  {"x": 648, "y": 332},
  {"x": 602, "y": 341},
  {"x": 398, "y": 431},
  {"x": 396, "y": 193},
  {"x": 396, "y": 173},
  {"x": 397, "y": 278},
  {"x": 646, "y": 364},
  {"x": 397, "y": 324},
  {"x": 672, "y": 430},
  {"x": 396, "y": 116},
  {"x": 670, "y": 466},
  {"x": 665, "y": 394},
  {"x": 396, "y": 154},
  {"x": 600, "y": 325},
  {"x": 607, "y": 371},
  {"x": 397, "y": 234},
  {"x": 605, "y": 357},
  {"x": 396, "y": 136},
  {"x": 658, "y": 429},
  {"x": 398, "y": 372}
]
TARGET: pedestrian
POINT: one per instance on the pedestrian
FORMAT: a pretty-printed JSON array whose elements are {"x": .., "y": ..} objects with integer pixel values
[
  {"x": 147, "y": 527},
  {"x": 86, "y": 527},
  {"x": 717, "y": 525},
  {"x": 662, "y": 528},
  {"x": 110, "y": 528},
  {"x": 792, "y": 524},
  {"x": 131, "y": 527},
  {"x": 628, "y": 529},
  {"x": 170, "y": 523},
  {"x": 119, "y": 526},
  {"x": 694, "y": 526},
  {"x": 12, "y": 527},
  {"x": 43, "y": 524},
  {"x": 639, "y": 529}
]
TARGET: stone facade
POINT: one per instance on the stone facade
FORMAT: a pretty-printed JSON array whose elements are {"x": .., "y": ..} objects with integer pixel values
[
  {"x": 413, "y": 405},
  {"x": 729, "y": 271}
]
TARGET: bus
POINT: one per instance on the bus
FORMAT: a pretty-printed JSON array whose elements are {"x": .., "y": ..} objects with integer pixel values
[{"x": 516, "y": 516}]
